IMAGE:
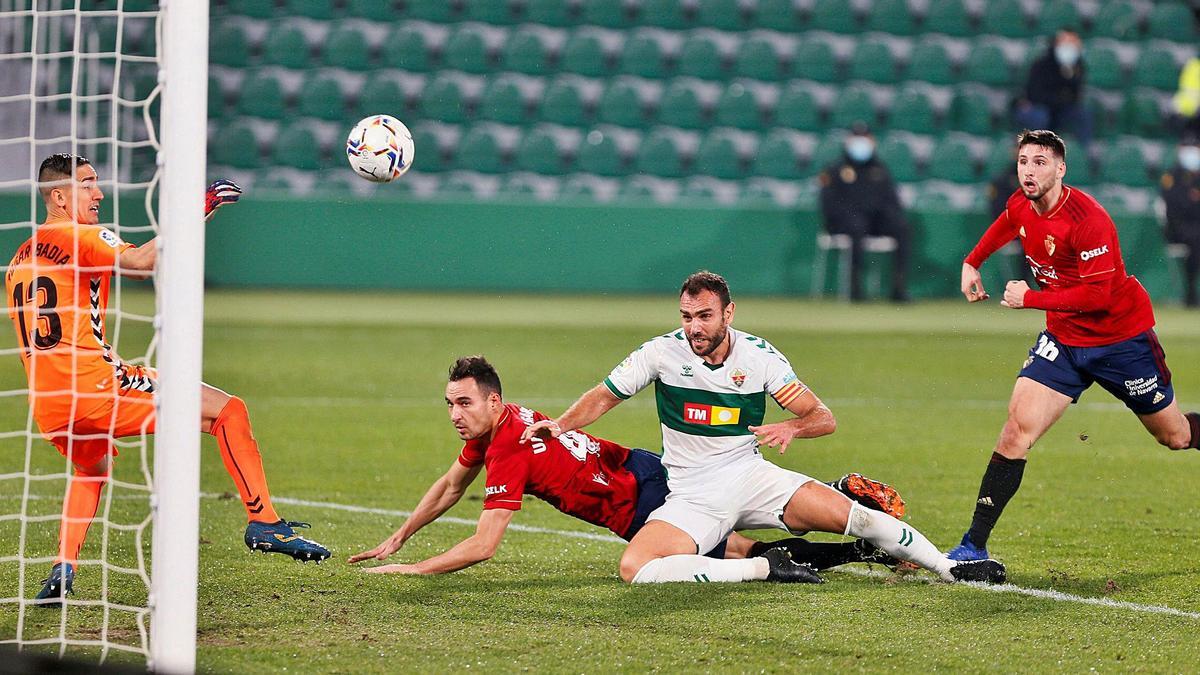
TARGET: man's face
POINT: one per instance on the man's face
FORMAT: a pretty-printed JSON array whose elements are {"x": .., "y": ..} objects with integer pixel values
[
  {"x": 471, "y": 411},
  {"x": 1038, "y": 170},
  {"x": 81, "y": 198},
  {"x": 705, "y": 322}
]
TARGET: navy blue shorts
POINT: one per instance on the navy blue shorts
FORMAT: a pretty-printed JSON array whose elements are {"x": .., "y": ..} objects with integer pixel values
[
  {"x": 651, "y": 477},
  {"x": 1134, "y": 370}
]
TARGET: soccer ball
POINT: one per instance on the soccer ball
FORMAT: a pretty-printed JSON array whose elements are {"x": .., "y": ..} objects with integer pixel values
[{"x": 380, "y": 148}]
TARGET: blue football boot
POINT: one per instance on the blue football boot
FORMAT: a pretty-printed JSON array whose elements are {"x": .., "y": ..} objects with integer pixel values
[
  {"x": 56, "y": 586},
  {"x": 967, "y": 550},
  {"x": 281, "y": 538}
]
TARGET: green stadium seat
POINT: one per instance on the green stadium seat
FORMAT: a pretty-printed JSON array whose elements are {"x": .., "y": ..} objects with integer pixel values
[
  {"x": 681, "y": 106},
  {"x": 833, "y": 15},
  {"x": 443, "y": 100},
  {"x": 525, "y": 52},
  {"x": 1104, "y": 67},
  {"x": 227, "y": 45},
  {"x": 698, "y": 191},
  {"x": 873, "y": 61},
  {"x": 778, "y": 157},
  {"x": 1057, "y": 15},
  {"x": 912, "y": 111},
  {"x": 321, "y": 96},
  {"x": 606, "y": 13},
  {"x": 375, "y": 10},
  {"x": 479, "y": 150},
  {"x": 636, "y": 189},
  {"x": 216, "y": 98},
  {"x": 659, "y": 155},
  {"x": 503, "y": 102},
  {"x": 577, "y": 188},
  {"x": 718, "y": 156},
  {"x": 621, "y": 104},
  {"x": 298, "y": 147},
  {"x": 896, "y": 153},
  {"x": 405, "y": 49},
  {"x": 1141, "y": 113},
  {"x": 949, "y": 17},
  {"x": 853, "y": 104},
  {"x": 722, "y": 15},
  {"x": 1125, "y": 163},
  {"x": 1117, "y": 20},
  {"x": 495, "y": 12},
  {"x": 429, "y": 153},
  {"x": 971, "y": 111},
  {"x": 1000, "y": 158},
  {"x": 310, "y": 9},
  {"x": 235, "y": 145},
  {"x": 539, "y": 152},
  {"x": 930, "y": 62},
  {"x": 347, "y": 47},
  {"x": 757, "y": 58},
  {"x": 381, "y": 92},
  {"x": 1156, "y": 67},
  {"x": 738, "y": 107},
  {"x": 286, "y": 46},
  {"x": 829, "y": 150},
  {"x": 643, "y": 56},
  {"x": 987, "y": 64},
  {"x": 267, "y": 99},
  {"x": 584, "y": 54},
  {"x": 599, "y": 154},
  {"x": 798, "y": 108},
  {"x": 816, "y": 60},
  {"x": 662, "y": 14},
  {"x": 466, "y": 50},
  {"x": 892, "y": 16},
  {"x": 257, "y": 9},
  {"x": 563, "y": 103},
  {"x": 1005, "y": 18},
  {"x": 1172, "y": 21},
  {"x": 436, "y": 11},
  {"x": 952, "y": 160},
  {"x": 701, "y": 57}
]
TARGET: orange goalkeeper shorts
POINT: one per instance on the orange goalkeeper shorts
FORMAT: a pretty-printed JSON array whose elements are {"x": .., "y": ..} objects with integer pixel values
[{"x": 130, "y": 412}]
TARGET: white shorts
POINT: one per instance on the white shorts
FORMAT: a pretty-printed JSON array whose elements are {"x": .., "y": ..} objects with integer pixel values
[{"x": 749, "y": 494}]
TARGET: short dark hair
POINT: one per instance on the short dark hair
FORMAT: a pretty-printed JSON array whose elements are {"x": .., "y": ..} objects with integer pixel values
[
  {"x": 477, "y": 368},
  {"x": 1044, "y": 138},
  {"x": 58, "y": 167},
  {"x": 704, "y": 280}
]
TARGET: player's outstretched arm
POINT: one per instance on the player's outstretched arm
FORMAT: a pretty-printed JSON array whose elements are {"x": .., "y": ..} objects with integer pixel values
[
  {"x": 812, "y": 420},
  {"x": 474, "y": 549},
  {"x": 443, "y": 494},
  {"x": 972, "y": 284},
  {"x": 589, "y": 408},
  {"x": 139, "y": 262}
]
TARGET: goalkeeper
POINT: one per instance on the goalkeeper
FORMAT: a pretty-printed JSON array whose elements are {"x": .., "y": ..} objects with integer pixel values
[
  {"x": 586, "y": 477},
  {"x": 82, "y": 394}
]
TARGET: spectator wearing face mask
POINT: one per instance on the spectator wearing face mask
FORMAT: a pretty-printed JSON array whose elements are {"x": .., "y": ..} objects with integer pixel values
[
  {"x": 1181, "y": 192},
  {"x": 859, "y": 199},
  {"x": 1053, "y": 97}
]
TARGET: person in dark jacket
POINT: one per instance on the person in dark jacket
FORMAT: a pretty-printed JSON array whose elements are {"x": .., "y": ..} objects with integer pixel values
[
  {"x": 1181, "y": 193},
  {"x": 1053, "y": 97},
  {"x": 859, "y": 199}
]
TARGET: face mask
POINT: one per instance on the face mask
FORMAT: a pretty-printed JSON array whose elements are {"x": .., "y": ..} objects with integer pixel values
[
  {"x": 1067, "y": 55},
  {"x": 859, "y": 149},
  {"x": 1189, "y": 157}
]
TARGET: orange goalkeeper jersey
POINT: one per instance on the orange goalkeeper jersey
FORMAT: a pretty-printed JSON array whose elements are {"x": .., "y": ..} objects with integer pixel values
[{"x": 57, "y": 298}]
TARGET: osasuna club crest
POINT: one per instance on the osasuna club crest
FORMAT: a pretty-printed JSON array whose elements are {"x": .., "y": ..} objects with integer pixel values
[
  {"x": 738, "y": 376},
  {"x": 1050, "y": 244}
]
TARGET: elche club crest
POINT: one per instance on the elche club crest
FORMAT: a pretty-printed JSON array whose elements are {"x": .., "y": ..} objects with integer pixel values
[{"x": 738, "y": 376}]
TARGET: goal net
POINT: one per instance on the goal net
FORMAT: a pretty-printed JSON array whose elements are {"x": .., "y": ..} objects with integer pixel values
[{"x": 120, "y": 82}]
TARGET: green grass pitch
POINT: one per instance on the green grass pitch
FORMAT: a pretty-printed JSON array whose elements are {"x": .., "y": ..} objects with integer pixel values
[{"x": 345, "y": 392}]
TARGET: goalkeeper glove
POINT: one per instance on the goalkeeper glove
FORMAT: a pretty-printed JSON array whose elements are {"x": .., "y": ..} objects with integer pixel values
[{"x": 220, "y": 193}]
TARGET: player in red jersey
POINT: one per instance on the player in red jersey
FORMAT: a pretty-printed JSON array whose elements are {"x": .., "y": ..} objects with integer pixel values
[
  {"x": 1099, "y": 325},
  {"x": 590, "y": 478}
]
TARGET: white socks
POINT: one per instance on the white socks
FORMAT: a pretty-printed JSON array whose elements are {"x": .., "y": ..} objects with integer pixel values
[
  {"x": 700, "y": 568},
  {"x": 898, "y": 539}
]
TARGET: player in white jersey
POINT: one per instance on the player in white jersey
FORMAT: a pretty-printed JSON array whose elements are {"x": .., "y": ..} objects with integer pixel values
[{"x": 711, "y": 383}]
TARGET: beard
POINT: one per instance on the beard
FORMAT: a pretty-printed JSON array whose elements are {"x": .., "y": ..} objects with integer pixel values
[{"x": 713, "y": 343}]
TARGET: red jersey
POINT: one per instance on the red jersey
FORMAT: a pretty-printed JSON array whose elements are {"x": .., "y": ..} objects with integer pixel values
[
  {"x": 1073, "y": 250},
  {"x": 576, "y": 473}
]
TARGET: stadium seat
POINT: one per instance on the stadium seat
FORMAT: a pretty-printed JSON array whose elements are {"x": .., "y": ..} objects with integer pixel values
[
  {"x": 578, "y": 188},
  {"x": 1172, "y": 21},
  {"x": 829, "y": 150},
  {"x": 1057, "y": 15},
  {"x": 722, "y": 15},
  {"x": 495, "y": 12},
  {"x": 836, "y": 16},
  {"x": 642, "y": 56},
  {"x": 798, "y": 108},
  {"x": 503, "y": 102},
  {"x": 480, "y": 151},
  {"x": 443, "y": 100},
  {"x": 816, "y": 60},
  {"x": 971, "y": 111},
  {"x": 681, "y": 107},
  {"x": 621, "y": 104},
  {"x": 599, "y": 154},
  {"x": 376, "y": 10},
  {"x": 1117, "y": 20},
  {"x": 466, "y": 50},
  {"x": 738, "y": 107},
  {"x": 1005, "y": 18},
  {"x": 525, "y": 52},
  {"x": 347, "y": 47},
  {"x": 584, "y": 54},
  {"x": 548, "y": 12},
  {"x": 1000, "y": 158},
  {"x": 930, "y": 62},
  {"x": 216, "y": 97},
  {"x": 758, "y": 58},
  {"x": 321, "y": 96},
  {"x": 267, "y": 99},
  {"x": 252, "y": 8},
  {"x": 949, "y": 17},
  {"x": 987, "y": 64},
  {"x": 1125, "y": 163},
  {"x": 227, "y": 45},
  {"x": 952, "y": 160},
  {"x": 1104, "y": 67},
  {"x": 538, "y": 152},
  {"x": 310, "y": 9},
  {"x": 286, "y": 46},
  {"x": 429, "y": 151},
  {"x": 912, "y": 111},
  {"x": 662, "y": 14},
  {"x": 563, "y": 103},
  {"x": 1156, "y": 67},
  {"x": 778, "y": 156},
  {"x": 659, "y": 155},
  {"x": 381, "y": 92},
  {"x": 1141, "y": 113},
  {"x": 718, "y": 156},
  {"x": 298, "y": 147},
  {"x": 436, "y": 11},
  {"x": 701, "y": 57},
  {"x": 235, "y": 145},
  {"x": 895, "y": 152},
  {"x": 853, "y": 104},
  {"x": 873, "y": 61},
  {"x": 606, "y": 13},
  {"x": 405, "y": 48},
  {"x": 892, "y": 16}
]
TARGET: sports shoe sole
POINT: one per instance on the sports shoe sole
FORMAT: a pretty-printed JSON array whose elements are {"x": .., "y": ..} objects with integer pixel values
[{"x": 883, "y": 495}]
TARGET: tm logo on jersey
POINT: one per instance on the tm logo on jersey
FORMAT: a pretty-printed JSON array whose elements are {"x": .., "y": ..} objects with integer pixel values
[{"x": 712, "y": 415}]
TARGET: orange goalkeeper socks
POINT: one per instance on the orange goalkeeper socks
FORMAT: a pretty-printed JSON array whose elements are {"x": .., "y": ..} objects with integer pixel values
[
  {"x": 78, "y": 511},
  {"x": 239, "y": 451}
]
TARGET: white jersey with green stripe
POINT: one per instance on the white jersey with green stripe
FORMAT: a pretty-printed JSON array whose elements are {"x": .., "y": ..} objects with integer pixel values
[{"x": 705, "y": 410}]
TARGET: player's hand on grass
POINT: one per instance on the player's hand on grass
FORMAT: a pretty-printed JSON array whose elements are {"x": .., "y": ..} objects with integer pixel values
[
  {"x": 392, "y": 569},
  {"x": 219, "y": 194},
  {"x": 380, "y": 552},
  {"x": 542, "y": 429},
  {"x": 1014, "y": 295},
  {"x": 972, "y": 284},
  {"x": 778, "y": 435}
]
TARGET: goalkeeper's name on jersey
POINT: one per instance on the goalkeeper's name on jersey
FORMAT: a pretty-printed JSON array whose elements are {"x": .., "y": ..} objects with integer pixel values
[{"x": 51, "y": 252}]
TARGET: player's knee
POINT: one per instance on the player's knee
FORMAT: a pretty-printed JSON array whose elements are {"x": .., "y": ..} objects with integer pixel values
[
  {"x": 1014, "y": 441},
  {"x": 1175, "y": 440},
  {"x": 631, "y": 564}
]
